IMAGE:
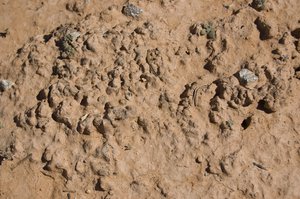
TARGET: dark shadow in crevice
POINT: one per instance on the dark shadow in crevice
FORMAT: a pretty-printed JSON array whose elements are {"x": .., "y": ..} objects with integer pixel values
[
  {"x": 47, "y": 37},
  {"x": 262, "y": 106},
  {"x": 98, "y": 186},
  {"x": 2, "y": 158},
  {"x": 246, "y": 122}
]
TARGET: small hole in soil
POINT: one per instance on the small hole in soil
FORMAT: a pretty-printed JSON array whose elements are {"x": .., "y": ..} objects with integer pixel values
[
  {"x": 47, "y": 37},
  {"x": 19, "y": 51},
  {"x": 41, "y": 96},
  {"x": 65, "y": 174},
  {"x": 209, "y": 66},
  {"x": 246, "y": 122},
  {"x": 84, "y": 101},
  {"x": 98, "y": 186},
  {"x": 197, "y": 160}
]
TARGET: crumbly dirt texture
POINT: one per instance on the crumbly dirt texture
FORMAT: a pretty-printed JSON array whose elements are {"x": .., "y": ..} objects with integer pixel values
[{"x": 150, "y": 99}]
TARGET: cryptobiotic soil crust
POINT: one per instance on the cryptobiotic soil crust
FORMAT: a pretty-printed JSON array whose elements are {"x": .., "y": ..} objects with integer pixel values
[{"x": 151, "y": 99}]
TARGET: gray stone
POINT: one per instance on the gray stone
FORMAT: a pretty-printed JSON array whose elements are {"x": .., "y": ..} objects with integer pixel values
[
  {"x": 131, "y": 10},
  {"x": 258, "y": 5},
  {"x": 5, "y": 84},
  {"x": 247, "y": 76},
  {"x": 74, "y": 35}
]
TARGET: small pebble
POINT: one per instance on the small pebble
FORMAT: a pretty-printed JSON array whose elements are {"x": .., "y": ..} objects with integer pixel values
[
  {"x": 5, "y": 84},
  {"x": 88, "y": 191},
  {"x": 247, "y": 76},
  {"x": 131, "y": 10},
  {"x": 74, "y": 35},
  {"x": 258, "y": 5}
]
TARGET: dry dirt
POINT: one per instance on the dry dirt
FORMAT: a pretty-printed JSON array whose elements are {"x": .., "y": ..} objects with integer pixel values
[{"x": 150, "y": 99}]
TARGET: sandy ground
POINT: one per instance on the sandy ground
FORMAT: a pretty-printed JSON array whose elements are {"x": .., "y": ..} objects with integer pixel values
[{"x": 150, "y": 99}]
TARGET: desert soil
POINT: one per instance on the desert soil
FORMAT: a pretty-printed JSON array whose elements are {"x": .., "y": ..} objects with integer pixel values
[{"x": 150, "y": 99}]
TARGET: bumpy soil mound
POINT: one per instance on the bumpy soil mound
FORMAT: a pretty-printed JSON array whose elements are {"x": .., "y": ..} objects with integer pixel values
[{"x": 154, "y": 100}]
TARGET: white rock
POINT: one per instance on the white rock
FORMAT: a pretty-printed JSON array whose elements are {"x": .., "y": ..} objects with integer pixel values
[
  {"x": 5, "y": 84},
  {"x": 74, "y": 35},
  {"x": 247, "y": 76}
]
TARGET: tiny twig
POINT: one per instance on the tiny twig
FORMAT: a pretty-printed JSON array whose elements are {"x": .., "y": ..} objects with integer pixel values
[
  {"x": 259, "y": 166},
  {"x": 69, "y": 191}
]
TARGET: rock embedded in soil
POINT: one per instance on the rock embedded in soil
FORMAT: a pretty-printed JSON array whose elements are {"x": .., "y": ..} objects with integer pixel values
[
  {"x": 133, "y": 114},
  {"x": 67, "y": 41},
  {"x": 258, "y": 5},
  {"x": 210, "y": 30},
  {"x": 204, "y": 29},
  {"x": 131, "y": 10},
  {"x": 196, "y": 29},
  {"x": 77, "y": 7},
  {"x": 5, "y": 84},
  {"x": 246, "y": 76}
]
